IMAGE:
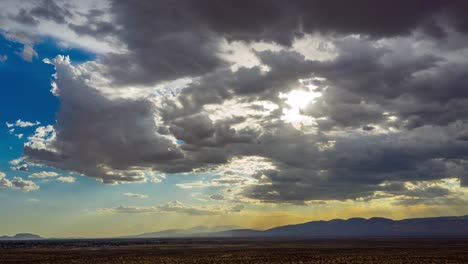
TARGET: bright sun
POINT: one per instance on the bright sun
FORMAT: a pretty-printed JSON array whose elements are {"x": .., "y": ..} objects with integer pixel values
[{"x": 298, "y": 100}]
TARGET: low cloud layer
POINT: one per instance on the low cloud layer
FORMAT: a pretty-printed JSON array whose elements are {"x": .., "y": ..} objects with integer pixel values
[{"x": 175, "y": 207}]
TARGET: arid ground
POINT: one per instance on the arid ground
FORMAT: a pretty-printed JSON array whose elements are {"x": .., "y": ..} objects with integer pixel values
[{"x": 236, "y": 251}]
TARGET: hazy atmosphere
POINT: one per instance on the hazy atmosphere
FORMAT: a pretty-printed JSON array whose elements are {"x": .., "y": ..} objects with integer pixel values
[{"x": 126, "y": 117}]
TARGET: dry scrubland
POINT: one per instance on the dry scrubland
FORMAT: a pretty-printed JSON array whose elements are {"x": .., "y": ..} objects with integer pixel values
[{"x": 423, "y": 251}]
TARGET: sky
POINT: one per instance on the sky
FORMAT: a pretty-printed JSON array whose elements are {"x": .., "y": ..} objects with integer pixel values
[{"x": 125, "y": 117}]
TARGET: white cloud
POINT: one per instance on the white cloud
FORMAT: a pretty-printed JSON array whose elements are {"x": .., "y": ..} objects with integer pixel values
[
  {"x": 19, "y": 164},
  {"x": 3, "y": 58},
  {"x": 136, "y": 195},
  {"x": 4, "y": 183},
  {"x": 33, "y": 200},
  {"x": 21, "y": 123},
  {"x": 68, "y": 179},
  {"x": 19, "y": 136},
  {"x": 43, "y": 174},
  {"x": 237, "y": 174},
  {"x": 23, "y": 185},
  {"x": 42, "y": 138},
  {"x": 17, "y": 161}
]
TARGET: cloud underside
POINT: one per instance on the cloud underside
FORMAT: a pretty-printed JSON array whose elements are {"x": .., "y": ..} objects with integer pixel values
[{"x": 342, "y": 102}]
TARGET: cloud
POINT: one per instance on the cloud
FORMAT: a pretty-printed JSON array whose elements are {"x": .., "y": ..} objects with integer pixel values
[
  {"x": 97, "y": 143},
  {"x": 67, "y": 179},
  {"x": 19, "y": 164},
  {"x": 28, "y": 53},
  {"x": 178, "y": 46},
  {"x": 27, "y": 39},
  {"x": 4, "y": 183},
  {"x": 175, "y": 207},
  {"x": 49, "y": 10},
  {"x": 23, "y": 185},
  {"x": 3, "y": 58},
  {"x": 22, "y": 124},
  {"x": 136, "y": 195},
  {"x": 217, "y": 197},
  {"x": 334, "y": 103},
  {"x": 17, "y": 183},
  {"x": 23, "y": 167},
  {"x": 43, "y": 174}
]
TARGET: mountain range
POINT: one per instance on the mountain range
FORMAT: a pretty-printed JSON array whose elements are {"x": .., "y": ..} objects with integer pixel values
[
  {"x": 376, "y": 227},
  {"x": 353, "y": 227}
]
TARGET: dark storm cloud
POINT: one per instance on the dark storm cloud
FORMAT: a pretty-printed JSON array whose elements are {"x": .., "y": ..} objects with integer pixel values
[
  {"x": 281, "y": 21},
  {"x": 357, "y": 167},
  {"x": 391, "y": 108},
  {"x": 164, "y": 41},
  {"x": 199, "y": 129},
  {"x": 363, "y": 83},
  {"x": 168, "y": 40}
]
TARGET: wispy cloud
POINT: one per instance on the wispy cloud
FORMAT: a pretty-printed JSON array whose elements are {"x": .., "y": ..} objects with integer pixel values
[
  {"x": 22, "y": 124},
  {"x": 43, "y": 174},
  {"x": 67, "y": 179},
  {"x": 175, "y": 207},
  {"x": 136, "y": 195}
]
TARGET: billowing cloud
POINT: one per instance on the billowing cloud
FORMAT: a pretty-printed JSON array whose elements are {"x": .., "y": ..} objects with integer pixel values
[{"x": 99, "y": 140}]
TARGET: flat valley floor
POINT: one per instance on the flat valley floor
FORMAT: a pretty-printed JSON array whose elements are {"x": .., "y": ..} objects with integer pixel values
[{"x": 324, "y": 251}]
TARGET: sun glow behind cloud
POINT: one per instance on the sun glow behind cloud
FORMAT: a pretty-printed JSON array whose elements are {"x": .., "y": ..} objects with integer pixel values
[{"x": 297, "y": 100}]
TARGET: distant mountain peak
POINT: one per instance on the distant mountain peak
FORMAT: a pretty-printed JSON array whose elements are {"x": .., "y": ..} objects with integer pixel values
[{"x": 22, "y": 236}]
